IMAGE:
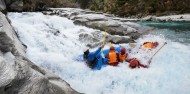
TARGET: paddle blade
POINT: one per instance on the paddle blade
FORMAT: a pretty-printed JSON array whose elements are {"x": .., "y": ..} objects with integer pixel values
[
  {"x": 104, "y": 38},
  {"x": 132, "y": 44}
]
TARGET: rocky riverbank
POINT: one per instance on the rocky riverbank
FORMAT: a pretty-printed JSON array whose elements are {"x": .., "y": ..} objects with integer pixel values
[
  {"x": 169, "y": 18},
  {"x": 118, "y": 30},
  {"x": 18, "y": 75}
]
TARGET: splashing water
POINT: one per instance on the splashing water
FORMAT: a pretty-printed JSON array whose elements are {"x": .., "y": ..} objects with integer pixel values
[{"x": 53, "y": 41}]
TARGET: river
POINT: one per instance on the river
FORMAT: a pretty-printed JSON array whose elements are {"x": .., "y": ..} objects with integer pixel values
[
  {"x": 169, "y": 72},
  {"x": 175, "y": 31}
]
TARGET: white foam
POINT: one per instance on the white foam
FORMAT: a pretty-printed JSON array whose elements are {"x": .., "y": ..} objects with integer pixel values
[{"x": 168, "y": 72}]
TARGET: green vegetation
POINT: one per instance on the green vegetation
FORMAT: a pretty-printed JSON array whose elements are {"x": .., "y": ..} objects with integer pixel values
[
  {"x": 137, "y": 8},
  {"x": 38, "y": 5},
  {"x": 123, "y": 8}
]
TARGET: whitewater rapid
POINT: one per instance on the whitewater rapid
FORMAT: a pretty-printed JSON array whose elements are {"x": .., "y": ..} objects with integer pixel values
[{"x": 53, "y": 42}]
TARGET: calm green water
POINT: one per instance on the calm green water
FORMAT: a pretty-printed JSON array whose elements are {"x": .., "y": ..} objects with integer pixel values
[{"x": 175, "y": 31}]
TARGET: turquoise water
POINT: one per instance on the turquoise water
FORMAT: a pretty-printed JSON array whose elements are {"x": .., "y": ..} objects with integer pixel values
[{"x": 175, "y": 31}]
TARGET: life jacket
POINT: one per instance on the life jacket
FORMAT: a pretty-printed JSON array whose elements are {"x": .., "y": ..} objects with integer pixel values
[
  {"x": 122, "y": 57},
  {"x": 148, "y": 45},
  {"x": 112, "y": 57}
]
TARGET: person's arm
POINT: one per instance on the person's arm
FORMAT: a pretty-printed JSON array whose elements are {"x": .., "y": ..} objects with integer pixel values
[
  {"x": 98, "y": 50},
  {"x": 139, "y": 64},
  {"x": 142, "y": 65},
  {"x": 128, "y": 60}
]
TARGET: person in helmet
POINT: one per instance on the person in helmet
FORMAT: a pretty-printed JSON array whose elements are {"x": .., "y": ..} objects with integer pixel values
[
  {"x": 94, "y": 59},
  {"x": 122, "y": 55},
  {"x": 150, "y": 45},
  {"x": 134, "y": 63},
  {"x": 112, "y": 57}
]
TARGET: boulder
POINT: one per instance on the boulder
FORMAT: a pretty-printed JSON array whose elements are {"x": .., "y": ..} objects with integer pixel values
[
  {"x": 2, "y": 5},
  {"x": 95, "y": 39},
  {"x": 101, "y": 21},
  {"x": 9, "y": 41},
  {"x": 119, "y": 30},
  {"x": 18, "y": 75},
  {"x": 112, "y": 27},
  {"x": 16, "y": 6}
]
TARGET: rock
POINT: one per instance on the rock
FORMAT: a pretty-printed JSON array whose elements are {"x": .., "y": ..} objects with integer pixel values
[
  {"x": 119, "y": 30},
  {"x": 85, "y": 37},
  {"x": 16, "y": 6},
  {"x": 96, "y": 38},
  {"x": 92, "y": 17},
  {"x": 181, "y": 17},
  {"x": 148, "y": 18},
  {"x": 112, "y": 28},
  {"x": 18, "y": 75},
  {"x": 81, "y": 22},
  {"x": 21, "y": 76},
  {"x": 2, "y": 5},
  {"x": 119, "y": 39},
  {"x": 169, "y": 18},
  {"x": 5, "y": 43},
  {"x": 8, "y": 38}
]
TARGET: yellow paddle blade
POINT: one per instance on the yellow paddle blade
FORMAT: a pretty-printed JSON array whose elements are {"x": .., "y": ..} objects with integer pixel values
[
  {"x": 104, "y": 37},
  {"x": 132, "y": 44}
]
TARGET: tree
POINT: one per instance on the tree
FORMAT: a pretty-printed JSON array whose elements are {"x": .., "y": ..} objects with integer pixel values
[{"x": 84, "y": 3}]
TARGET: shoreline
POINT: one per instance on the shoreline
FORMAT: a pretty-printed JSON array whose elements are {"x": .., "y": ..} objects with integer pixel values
[{"x": 166, "y": 18}]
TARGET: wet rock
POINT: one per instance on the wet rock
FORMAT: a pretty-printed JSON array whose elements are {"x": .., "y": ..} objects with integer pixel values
[
  {"x": 5, "y": 42},
  {"x": 112, "y": 28},
  {"x": 169, "y": 18},
  {"x": 149, "y": 18},
  {"x": 8, "y": 38},
  {"x": 120, "y": 39},
  {"x": 93, "y": 17},
  {"x": 118, "y": 30},
  {"x": 85, "y": 37},
  {"x": 18, "y": 75},
  {"x": 181, "y": 17},
  {"x": 101, "y": 21},
  {"x": 2, "y": 5},
  {"x": 16, "y": 6},
  {"x": 81, "y": 22},
  {"x": 96, "y": 38}
]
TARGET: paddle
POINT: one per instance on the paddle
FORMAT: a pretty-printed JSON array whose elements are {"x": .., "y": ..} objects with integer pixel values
[
  {"x": 132, "y": 44},
  {"x": 104, "y": 39},
  {"x": 103, "y": 43},
  {"x": 156, "y": 53}
]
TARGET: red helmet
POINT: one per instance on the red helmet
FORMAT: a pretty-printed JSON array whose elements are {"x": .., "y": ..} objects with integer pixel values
[
  {"x": 133, "y": 63},
  {"x": 112, "y": 48},
  {"x": 156, "y": 44},
  {"x": 123, "y": 50}
]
